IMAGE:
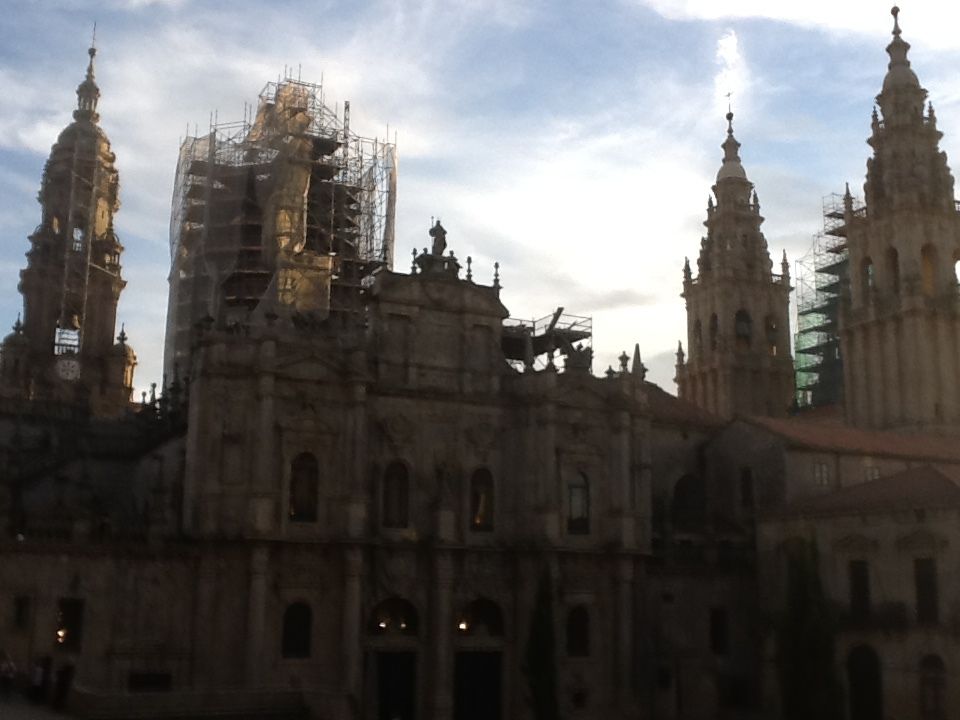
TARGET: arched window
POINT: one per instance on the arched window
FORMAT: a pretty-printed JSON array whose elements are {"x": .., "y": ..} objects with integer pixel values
[
  {"x": 772, "y": 331},
  {"x": 481, "y": 617},
  {"x": 578, "y": 505},
  {"x": 481, "y": 501},
  {"x": 689, "y": 510},
  {"x": 893, "y": 270},
  {"x": 714, "y": 331},
  {"x": 304, "y": 483},
  {"x": 297, "y": 624},
  {"x": 578, "y": 632},
  {"x": 928, "y": 269},
  {"x": 866, "y": 690},
  {"x": 698, "y": 338},
  {"x": 396, "y": 496},
  {"x": 866, "y": 279},
  {"x": 394, "y": 616},
  {"x": 933, "y": 679},
  {"x": 743, "y": 329}
]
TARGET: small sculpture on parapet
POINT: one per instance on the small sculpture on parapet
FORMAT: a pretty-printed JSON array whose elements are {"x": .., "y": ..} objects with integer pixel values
[{"x": 439, "y": 236}]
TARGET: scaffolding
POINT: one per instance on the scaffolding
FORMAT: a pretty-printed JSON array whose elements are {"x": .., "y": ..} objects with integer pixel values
[
  {"x": 821, "y": 275},
  {"x": 558, "y": 340},
  {"x": 285, "y": 212}
]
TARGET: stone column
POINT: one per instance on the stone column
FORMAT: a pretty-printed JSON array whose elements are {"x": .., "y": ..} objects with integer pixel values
[
  {"x": 203, "y": 650},
  {"x": 861, "y": 387},
  {"x": 946, "y": 365},
  {"x": 875, "y": 376},
  {"x": 906, "y": 350},
  {"x": 624, "y": 640},
  {"x": 352, "y": 641},
  {"x": 443, "y": 656},
  {"x": 256, "y": 615},
  {"x": 924, "y": 378},
  {"x": 357, "y": 462},
  {"x": 624, "y": 478},
  {"x": 263, "y": 508},
  {"x": 891, "y": 376}
]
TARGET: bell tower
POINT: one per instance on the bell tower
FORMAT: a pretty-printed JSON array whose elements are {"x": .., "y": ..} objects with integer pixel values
[
  {"x": 64, "y": 348},
  {"x": 900, "y": 319},
  {"x": 738, "y": 339}
]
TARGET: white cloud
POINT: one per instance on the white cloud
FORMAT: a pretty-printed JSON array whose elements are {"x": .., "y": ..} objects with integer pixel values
[
  {"x": 932, "y": 24},
  {"x": 731, "y": 81}
]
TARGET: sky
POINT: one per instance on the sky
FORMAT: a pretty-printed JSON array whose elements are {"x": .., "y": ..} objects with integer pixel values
[{"x": 573, "y": 142}]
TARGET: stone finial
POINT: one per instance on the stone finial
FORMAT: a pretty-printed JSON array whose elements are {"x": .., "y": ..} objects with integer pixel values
[
  {"x": 895, "y": 11},
  {"x": 122, "y": 337},
  {"x": 496, "y": 275},
  {"x": 687, "y": 274},
  {"x": 624, "y": 361},
  {"x": 469, "y": 269},
  {"x": 610, "y": 373},
  {"x": 785, "y": 265},
  {"x": 638, "y": 368},
  {"x": 18, "y": 325},
  {"x": 413, "y": 265},
  {"x": 680, "y": 353},
  {"x": 847, "y": 200},
  {"x": 931, "y": 115}
]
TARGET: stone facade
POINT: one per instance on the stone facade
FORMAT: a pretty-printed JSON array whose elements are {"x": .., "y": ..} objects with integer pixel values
[{"x": 400, "y": 506}]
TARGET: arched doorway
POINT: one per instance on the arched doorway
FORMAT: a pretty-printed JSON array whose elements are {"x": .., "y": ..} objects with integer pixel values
[
  {"x": 392, "y": 629},
  {"x": 864, "y": 680},
  {"x": 478, "y": 664}
]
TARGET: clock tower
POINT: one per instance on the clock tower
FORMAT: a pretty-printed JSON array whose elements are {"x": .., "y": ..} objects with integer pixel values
[{"x": 64, "y": 348}]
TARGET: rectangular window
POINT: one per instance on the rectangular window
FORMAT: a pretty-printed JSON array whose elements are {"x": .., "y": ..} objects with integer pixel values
[
  {"x": 925, "y": 581},
  {"x": 69, "y": 624},
  {"x": 21, "y": 612},
  {"x": 578, "y": 506},
  {"x": 746, "y": 488},
  {"x": 821, "y": 474},
  {"x": 859, "y": 571},
  {"x": 871, "y": 472},
  {"x": 719, "y": 632}
]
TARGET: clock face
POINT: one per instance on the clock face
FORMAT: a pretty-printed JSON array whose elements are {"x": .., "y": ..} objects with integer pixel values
[{"x": 68, "y": 368}]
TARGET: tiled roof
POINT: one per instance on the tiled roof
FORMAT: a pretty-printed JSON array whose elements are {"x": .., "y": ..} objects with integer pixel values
[
  {"x": 835, "y": 437},
  {"x": 670, "y": 409},
  {"x": 913, "y": 488}
]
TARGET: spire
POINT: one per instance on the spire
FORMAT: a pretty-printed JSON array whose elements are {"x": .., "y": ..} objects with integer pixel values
[
  {"x": 785, "y": 266},
  {"x": 680, "y": 353},
  {"x": 899, "y": 73},
  {"x": 88, "y": 94},
  {"x": 731, "y": 167},
  {"x": 637, "y": 367},
  {"x": 687, "y": 275}
]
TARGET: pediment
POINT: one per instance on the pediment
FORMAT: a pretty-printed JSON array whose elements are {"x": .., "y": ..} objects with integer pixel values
[
  {"x": 922, "y": 540},
  {"x": 855, "y": 544},
  {"x": 308, "y": 366}
]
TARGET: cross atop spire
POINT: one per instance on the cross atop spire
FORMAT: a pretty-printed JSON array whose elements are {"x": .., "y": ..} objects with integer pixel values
[
  {"x": 731, "y": 167},
  {"x": 88, "y": 94}
]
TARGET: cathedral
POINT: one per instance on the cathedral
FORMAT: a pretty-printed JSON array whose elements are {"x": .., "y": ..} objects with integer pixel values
[{"x": 361, "y": 493}]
